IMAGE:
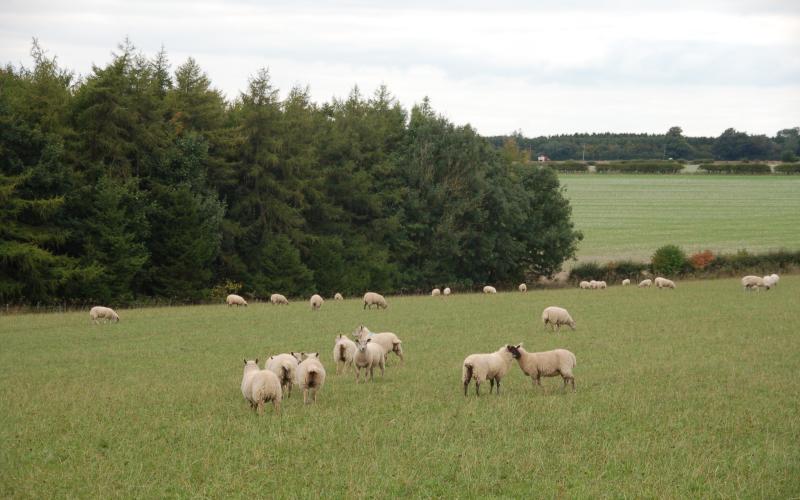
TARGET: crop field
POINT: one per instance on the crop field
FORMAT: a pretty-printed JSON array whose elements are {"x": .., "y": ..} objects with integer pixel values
[
  {"x": 684, "y": 393},
  {"x": 629, "y": 216}
]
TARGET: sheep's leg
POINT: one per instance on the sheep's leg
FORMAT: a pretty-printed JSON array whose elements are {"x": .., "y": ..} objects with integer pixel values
[
  {"x": 382, "y": 370},
  {"x": 260, "y": 407},
  {"x": 477, "y": 388},
  {"x": 572, "y": 379},
  {"x": 466, "y": 386},
  {"x": 315, "y": 396},
  {"x": 371, "y": 372},
  {"x": 305, "y": 396},
  {"x": 491, "y": 385},
  {"x": 498, "y": 387},
  {"x": 277, "y": 405}
]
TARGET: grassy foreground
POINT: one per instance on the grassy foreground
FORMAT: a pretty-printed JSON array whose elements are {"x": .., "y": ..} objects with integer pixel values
[
  {"x": 629, "y": 216},
  {"x": 683, "y": 393}
]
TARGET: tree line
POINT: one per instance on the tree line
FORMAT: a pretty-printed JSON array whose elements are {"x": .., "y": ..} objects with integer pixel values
[{"x": 136, "y": 182}]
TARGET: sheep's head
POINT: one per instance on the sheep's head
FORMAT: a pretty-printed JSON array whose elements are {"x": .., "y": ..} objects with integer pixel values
[
  {"x": 360, "y": 332},
  {"x": 362, "y": 344},
  {"x": 514, "y": 350},
  {"x": 298, "y": 356},
  {"x": 249, "y": 363},
  {"x": 309, "y": 355},
  {"x": 571, "y": 323}
]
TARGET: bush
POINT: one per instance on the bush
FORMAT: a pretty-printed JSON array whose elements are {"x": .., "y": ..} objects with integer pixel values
[
  {"x": 701, "y": 260},
  {"x": 587, "y": 271},
  {"x": 788, "y": 157},
  {"x": 788, "y": 168},
  {"x": 735, "y": 168},
  {"x": 640, "y": 167},
  {"x": 612, "y": 272},
  {"x": 222, "y": 290},
  {"x": 669, "y": 260},
  {"x": 570, "y": 166}
]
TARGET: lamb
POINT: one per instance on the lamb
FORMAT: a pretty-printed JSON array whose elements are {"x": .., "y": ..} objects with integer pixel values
[
  {"x": 376, "y": 299},
  {"x": 316, "y": 302},
  {"x": 278, "y": 299},
  {"x": 284, "y": 367},
  {"x": 106, "y": 313},
  {"x": 557, "y": 316},
  {"x": 645, "y": 283},
  {"x": 260, "y": 386},
  {"x": 626, "y": 282},
  {"x": 388, "y": 341},
  {"x": 235, "y": 300},
  {"x": 585, "y": 285},
  {"x": 338, "y": 296},
  {"x": 435, "y": 292},
  {"x": 489, "y": 289},
  {"x": 522, "y": 287},
  {"x": 368, "y": 355},
  {"x": 344, "y": 350},
  {"x": 310, "y": 375},
  {"x": 754, "y": 283},
  {"x": 545, "y": 364},
  {"x": 664, "y": 283},
  {"x": 446, "y": 291},
  {"x": 492, "y": 366}
]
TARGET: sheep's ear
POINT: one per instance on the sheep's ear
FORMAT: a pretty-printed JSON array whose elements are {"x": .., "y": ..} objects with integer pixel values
[
  {"x": 519, "y": 345},
  {"x": 369, "y": 340},
  {"x": 256, "y": 360},
  {"x": 245, "y": 361},
  {"x": 316, "y": 355}
]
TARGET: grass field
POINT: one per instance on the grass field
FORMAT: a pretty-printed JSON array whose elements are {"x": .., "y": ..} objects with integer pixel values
[
  {"x": 685, "y": 393},
  {"x": 629, "y": 216}
]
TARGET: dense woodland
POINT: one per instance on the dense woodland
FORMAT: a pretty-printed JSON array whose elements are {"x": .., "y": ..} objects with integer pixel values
[{"x": 136, "y": 182}]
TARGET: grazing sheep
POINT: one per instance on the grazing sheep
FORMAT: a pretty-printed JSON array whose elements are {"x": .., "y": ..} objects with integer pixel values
[
  {"x": 284, "y": 367},
  {"x": 545, "y": 364},
  {"x": 771, "y": 280},
  {"x": 260, "y": 386},
  {"x": 645, "y": 283},
  {"x": 388, "y": 341},
  {"x": 593, "y": 284},
  {"x": 338, "y": 296},
  {"x": 235, "y": 300},
  {"x": 106, "y": 313},
  {"x": 626, "y": 282},
  {"x": 489, "y": 289},
  {"x": 369, "y": 354},
  {"x": 435, "y": 292},
  {"x": 557, "y": 316},
  {"x": 310, "y": 375},
  {"x": 344, "y": 350},
  {"x": 585, "y": 285},
  {"x": 278, "y": 299},
  {"x": 601, "y": 285},
  {"x": 754, "y": 283},
  {"x": 376, "y": 299},
  {"x": 664, "y": 283},
  {"x": 316, "y": 302},
  {"x": 481, "y": 367},
  {"x": 446, "y": 291},
  {"x": 523, "y": 287}
]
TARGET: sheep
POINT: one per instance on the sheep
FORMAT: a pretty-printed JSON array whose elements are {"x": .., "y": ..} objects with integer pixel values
[
  {"x": 106, "y": 313},
  {"x": 492, "y": 366},
  {"x": 522, "y": 287},
  {"x": 369, "y": 354},
  {"x": 284, "y": 366},
  {"x": 585, "y": 285},
  {"x": 316, "y": 302},
  {"x": 278, "y": 299},
  {"x": 388, "y": 341},
  {"x": 310, "y": 375},
  {"x": 557, "y": 316},
  {"x": 489, "y": 289},
  {"x": 664, "y": 283},
  {"x": 601, "y": 285},
  {"x": 645, "y": 283},
  {"x": 344, "y": 350},
  {"x": 235, "y": 300},
  {"x": 626, "y": 282},
  {"x": 446, "y": 291},
  {"x": 260, "y": 386},
  {"x": 435, "y": 292},
  {"x": 376, "y": 299},
  {"x": 545, "y": 364},
  {"x": 754, "y": 283},
  {"x": 338, "y": 296},
  {"x": 771, "y": 280}
]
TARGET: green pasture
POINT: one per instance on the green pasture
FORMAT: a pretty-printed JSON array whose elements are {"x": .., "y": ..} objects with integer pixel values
[
  {"x": 683, "y": 393},
  {"x": 629, "y": 216}
]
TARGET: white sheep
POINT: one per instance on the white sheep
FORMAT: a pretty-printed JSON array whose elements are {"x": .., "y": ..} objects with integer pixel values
[
  {"x": 99, "y": 312},
  {"x": 316, "y": 302},
  {"x": 664, "y": 283},
  {"x": 368, "y": 355},
  {"x": 235, "y": 300},
  {"x": 260, "y": 386},
  {"x": 284, "y": 366},
  {"x": 481, "y": 367},
  {"x": 435, "y": 292},
  {"x": 522, "y": 287},
  {"x": 376, "y": 299},
  {"x": 771, "y": 280},
  {"x": 278, "y": 299},
  {"x": 645, "y": 283},
  {"x": 489, "y": 289},
  {"x": 388, "y": 341},
  {"x": 600, "y": 285},
  {"x": 310, "y": 375},
  {"x": 585, "y": 285},
  {"x": 338, "y": 296},
  {"x": 446, "y": 291},
  {"x": 344, "y": 350},
  {"x": 754, "y": 283},
  {"x": 545, "y": 364},
  {"x": 557, "y": 316},
  {"x": 626, "y": 282}
]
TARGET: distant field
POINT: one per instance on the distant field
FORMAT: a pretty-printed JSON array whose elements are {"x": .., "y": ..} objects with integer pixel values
[
  {"x": 681, "y": 394},
  {"x": 629, "y": 216}
]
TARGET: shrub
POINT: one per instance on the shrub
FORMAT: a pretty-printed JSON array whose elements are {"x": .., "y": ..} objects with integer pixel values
[
  {"x": 640, "y": 167},
  {"x": 669, "y": 260},
  {"x": 570, "y": 166},
  {"x": 701, "y": 260},
  {"x": 222, "y": 290},
  {"x": 587, "y": 271},
  {"x": 788, "y": 157},
  {"x": 735, "y": 168},
  {"x": 788, "y": 168}
]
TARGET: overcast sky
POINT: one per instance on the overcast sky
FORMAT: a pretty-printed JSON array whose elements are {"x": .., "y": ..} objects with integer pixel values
[{"x": 541, "y": 67}]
